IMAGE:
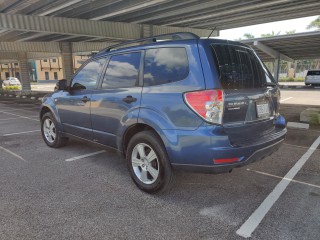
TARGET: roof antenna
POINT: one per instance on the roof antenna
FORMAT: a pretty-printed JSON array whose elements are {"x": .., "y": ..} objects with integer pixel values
[{"x": 211, "y": 32}]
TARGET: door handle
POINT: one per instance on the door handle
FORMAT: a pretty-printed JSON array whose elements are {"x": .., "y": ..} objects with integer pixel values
[
  {"x": 85, "y": 99},
  {"x": 129, "y": 99}
]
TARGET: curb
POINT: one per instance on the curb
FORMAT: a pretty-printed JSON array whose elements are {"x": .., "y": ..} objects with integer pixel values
[
  {"x": 297, "y": 87},
  {"x": 297, "y": 125}
]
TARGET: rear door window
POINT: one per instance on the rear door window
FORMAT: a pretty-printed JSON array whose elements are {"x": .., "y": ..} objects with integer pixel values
[
  {"x": 165, "y": 65},
  {"x": 122, "y": 71},
  {"x": 239, "y": 67}
]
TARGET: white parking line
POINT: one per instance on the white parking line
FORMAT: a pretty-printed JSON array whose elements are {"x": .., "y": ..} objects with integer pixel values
[
  {"x": 16, "y": 109},
  {"x": 15, "y": 118},
  {"x": 256, "y": 217},
  {"x": 275, "y": 176},
  {"x": 285, "y": 99},
  {"x": 12, "y": 153},
  {"x": 5, "y": 119},
  {"x": 21, "y": 116},
  {"x": 10, "y": 134},
  {"x": 84, "y": 156}
]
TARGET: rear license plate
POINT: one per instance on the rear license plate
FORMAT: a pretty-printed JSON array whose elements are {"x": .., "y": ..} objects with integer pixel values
[{"x": 263, "y": 110}]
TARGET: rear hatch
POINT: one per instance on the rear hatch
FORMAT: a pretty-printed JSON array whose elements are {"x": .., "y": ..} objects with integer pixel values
[
  {"x": 251, "y": 96},
  {"x": 313, "y": 75}
]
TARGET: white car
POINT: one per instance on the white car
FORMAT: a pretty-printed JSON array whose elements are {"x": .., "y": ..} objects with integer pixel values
[
  {"x": 11, "y": 81},
  {"x": 312, "y": 78}
]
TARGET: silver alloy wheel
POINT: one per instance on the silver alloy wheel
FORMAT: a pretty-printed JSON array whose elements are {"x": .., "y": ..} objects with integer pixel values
[
  {"x": 145, "y": 163},
  {"x": 49, "y": 130}
]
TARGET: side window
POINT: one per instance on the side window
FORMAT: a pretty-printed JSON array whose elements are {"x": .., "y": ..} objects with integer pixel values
[
  {"x": 122, "y": 71},
  {"x": 165, "y": 65},
  {"x": 88, "y": 76}
]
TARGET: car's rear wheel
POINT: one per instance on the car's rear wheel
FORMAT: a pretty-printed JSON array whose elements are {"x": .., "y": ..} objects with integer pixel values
[
  {"x": 50, "y": 134},
  {"x": 148, "y": 162}
]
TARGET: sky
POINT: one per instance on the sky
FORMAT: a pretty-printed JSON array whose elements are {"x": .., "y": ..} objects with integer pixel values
[{"x": 299, "y": 24}]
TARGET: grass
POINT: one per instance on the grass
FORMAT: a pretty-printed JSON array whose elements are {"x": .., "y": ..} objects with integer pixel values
[
  {"x": 290, "y": 79},
  {"x": 9, "y": 88}
]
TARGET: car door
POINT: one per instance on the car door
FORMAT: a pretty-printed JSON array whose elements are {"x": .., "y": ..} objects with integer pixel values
[
  {"x": 74, "y": 105},
  {"x": 117, "y": 101}
]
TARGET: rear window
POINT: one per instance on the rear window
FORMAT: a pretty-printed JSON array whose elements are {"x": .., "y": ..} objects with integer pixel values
[
  {"x": 165, "y": 65},
  {"x": 239, "y": 67},
  {"x": 313, "y": 73}
]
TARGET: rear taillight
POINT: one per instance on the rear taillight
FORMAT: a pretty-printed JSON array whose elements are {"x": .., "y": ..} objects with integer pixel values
[{"x": 208, "y": 104}]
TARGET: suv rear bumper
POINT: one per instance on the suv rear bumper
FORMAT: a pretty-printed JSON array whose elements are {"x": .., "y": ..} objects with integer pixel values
[
  {"x": 257, "y": 155},
  {"x": 312, "y": 81},
  {"x": 200, "y": 157}
]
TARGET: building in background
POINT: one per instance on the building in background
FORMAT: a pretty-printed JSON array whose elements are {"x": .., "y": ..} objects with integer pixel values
[
  {"x": 9, "y": 70},
  {"x": 40, "y": 70}
]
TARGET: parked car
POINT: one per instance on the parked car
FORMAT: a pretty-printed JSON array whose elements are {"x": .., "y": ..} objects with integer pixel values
[
  {"x": 312, "y": 78},
  {"x": 11, "y": 81},
  {"x": 174, "y": 101}
]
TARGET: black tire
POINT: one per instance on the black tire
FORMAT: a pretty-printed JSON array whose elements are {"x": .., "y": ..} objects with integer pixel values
[
  {"x": 148, "y": 139},
  {"x": 58, "y": 141}
]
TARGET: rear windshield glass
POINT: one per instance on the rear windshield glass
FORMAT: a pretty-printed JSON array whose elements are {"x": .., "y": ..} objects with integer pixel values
[
  {"x": 313, "y": 73},
  {"x": 239, "y": 67}
]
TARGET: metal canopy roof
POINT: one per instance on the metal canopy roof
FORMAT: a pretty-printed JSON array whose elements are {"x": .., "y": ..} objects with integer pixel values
[
  {"x": 203, "y": 14},
  {"x": 294, "y": 46}
]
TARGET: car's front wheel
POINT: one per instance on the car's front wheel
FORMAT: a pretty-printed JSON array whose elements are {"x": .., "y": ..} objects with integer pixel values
[
  {"x": 50, "y": 134},
  {"x": 148, "y": 162}
]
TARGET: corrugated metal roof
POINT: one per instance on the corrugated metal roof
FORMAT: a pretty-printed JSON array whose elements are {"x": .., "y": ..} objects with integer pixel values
[
  {"x": 203, "y": 14},
  {"x": 296, "y": 46}
]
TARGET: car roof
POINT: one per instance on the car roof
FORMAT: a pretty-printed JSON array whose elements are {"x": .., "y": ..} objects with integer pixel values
[{"x": 169, "y": 43}]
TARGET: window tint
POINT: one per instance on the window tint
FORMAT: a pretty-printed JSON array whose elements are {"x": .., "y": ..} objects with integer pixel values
[
  {"x": 88, "y": 76},
  {"x": 122, "y": 71},
  {"x": 239, "y": 67},
  {"x": 310, "y": 73},
  {"x": 165, "y": 65}
]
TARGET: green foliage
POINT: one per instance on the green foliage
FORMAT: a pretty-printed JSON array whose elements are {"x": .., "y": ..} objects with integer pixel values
[
  {"x": 272, "y": 34},
  {"x": 8, "y": 88},
  {"x": 248, "y": 36},
  {"x": 291, "y": 79},
  {"x": 291, "y": 32},
  {"x": 314, "y": 118},
  {"x": 314, "y": 24}
]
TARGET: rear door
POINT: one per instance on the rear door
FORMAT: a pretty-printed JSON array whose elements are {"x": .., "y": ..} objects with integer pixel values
[
  {"x": 251, "y": 94},
  {"x": 117, "y": 100}
]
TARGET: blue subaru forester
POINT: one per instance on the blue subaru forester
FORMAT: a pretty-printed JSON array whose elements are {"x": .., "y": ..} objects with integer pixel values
[{"x": 170, "y": 101}]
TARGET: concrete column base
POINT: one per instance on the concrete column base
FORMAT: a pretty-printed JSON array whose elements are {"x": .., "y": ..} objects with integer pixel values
[{"x": 67, "y": 60}]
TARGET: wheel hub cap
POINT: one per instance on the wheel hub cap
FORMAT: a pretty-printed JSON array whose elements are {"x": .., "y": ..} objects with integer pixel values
[{"x": 145, "y": 163}]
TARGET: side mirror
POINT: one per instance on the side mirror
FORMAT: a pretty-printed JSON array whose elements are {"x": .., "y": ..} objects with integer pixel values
[{"x": 61, "y": 85}]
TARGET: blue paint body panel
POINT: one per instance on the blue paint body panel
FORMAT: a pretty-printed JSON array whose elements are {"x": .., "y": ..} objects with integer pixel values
[{"x": 189, "y": 140}]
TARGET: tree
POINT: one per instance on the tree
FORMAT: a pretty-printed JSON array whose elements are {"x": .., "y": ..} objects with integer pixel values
[
  {"x": 248, "y": 36},
  {"x": 291, "y": 32},
  {"x": 315, "y": 24},
  {"x": 272, "y": 34}
]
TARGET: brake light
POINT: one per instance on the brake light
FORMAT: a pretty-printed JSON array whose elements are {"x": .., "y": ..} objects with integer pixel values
[{"x": 208, "y": 104}]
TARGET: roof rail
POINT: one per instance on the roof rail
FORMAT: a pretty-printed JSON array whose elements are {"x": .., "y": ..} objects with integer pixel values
[{"x": 163, "y": 37}]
